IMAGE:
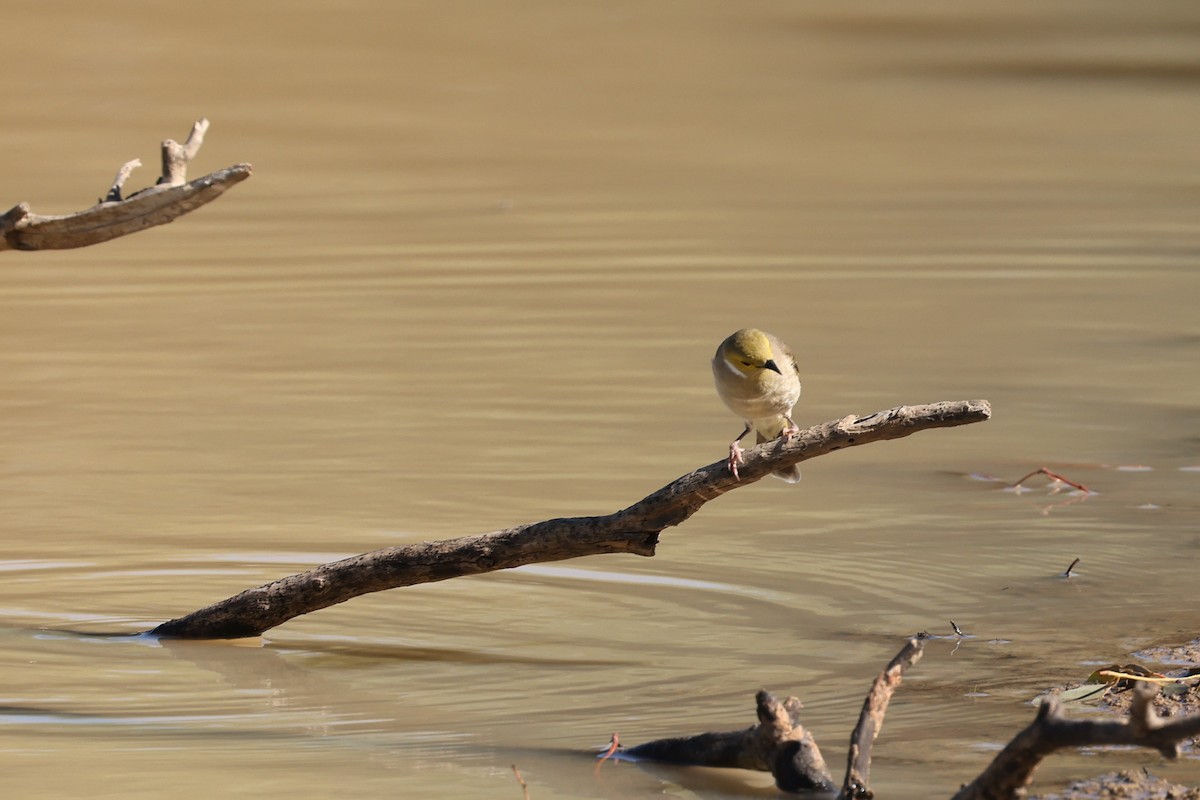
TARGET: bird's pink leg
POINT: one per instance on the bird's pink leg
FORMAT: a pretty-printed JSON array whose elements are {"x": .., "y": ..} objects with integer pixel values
[
  {"x": 789, "y": 430},
  {"x": 735, "y": 452}
]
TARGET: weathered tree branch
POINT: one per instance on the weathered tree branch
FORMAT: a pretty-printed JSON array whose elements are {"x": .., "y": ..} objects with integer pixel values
[
  {"x": 171, "y": 197},
  {"x": 1012, "y": 770},
  {"x": 781, "y": 745},
  {"x": 870, "y": 721},
  {"x": 632, "y": 530},
  {"x": 778, "y": 744}
]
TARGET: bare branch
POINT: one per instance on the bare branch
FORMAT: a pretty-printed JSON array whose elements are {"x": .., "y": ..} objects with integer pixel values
[
  {"x": 1012, "y": 770},
  {"x": 870, "y": 721},
  {"x": 171, "y": 197},
  {"x": 632, "y": 530},
  {"x": 778, "y": 744},
  {"x": 781, "y": 745}
]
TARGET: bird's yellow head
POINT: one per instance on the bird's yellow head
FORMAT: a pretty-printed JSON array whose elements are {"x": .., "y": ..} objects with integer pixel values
[{"x": 749, "y": 351}]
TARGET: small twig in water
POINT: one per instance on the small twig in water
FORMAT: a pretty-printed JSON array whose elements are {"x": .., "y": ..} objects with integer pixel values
[
  {"x": 957, "y": 630},
  {"x": 1052, "y": 476},
  {"x": 613, "y": 745},
  {"x": 520, "y": 780},
  {"x": 1069, "y": 573}
]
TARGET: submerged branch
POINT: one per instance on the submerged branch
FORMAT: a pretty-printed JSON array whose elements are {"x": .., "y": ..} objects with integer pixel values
[
  {"x": 781, "y": 745},
  {"x": 870, "y": 721},
  {"x": 631, "y": 530},
  {"x": 115, "y": 216},
  {"x": 778, "y": 744}
]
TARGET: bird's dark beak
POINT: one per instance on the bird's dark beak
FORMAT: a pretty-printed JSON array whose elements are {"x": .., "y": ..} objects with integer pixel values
[{"x": 772, "y": 366}]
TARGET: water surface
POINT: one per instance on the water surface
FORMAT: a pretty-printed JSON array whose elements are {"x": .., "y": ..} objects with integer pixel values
[{"x": 475, "y": 281}]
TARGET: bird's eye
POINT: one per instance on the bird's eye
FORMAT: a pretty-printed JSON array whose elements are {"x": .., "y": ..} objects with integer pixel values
[{"x": 747, "y": 364}]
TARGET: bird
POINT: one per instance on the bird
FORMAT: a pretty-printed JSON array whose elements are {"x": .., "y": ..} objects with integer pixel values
[{"x": 757, "y": 377}]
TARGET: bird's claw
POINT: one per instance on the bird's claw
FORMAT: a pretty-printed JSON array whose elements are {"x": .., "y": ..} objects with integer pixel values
[{"x": 735, "y": 458}]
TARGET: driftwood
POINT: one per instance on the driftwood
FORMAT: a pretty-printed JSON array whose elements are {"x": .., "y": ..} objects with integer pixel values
[
  {"x": 631, "y": 530},
  {"x": 778, "y": 744},
  {"x": 870, "y": 721},
  {"x": 781, "y": 745},
  {"x": 115, "y": 216},
  {"x": 1012, "y": 770}
]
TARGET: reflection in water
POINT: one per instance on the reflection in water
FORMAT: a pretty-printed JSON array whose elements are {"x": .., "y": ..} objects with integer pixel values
[{"x": 475, "y": 281}]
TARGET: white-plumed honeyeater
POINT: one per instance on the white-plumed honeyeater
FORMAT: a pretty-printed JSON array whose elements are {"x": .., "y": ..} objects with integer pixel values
[{"x": 757, "y": 377}]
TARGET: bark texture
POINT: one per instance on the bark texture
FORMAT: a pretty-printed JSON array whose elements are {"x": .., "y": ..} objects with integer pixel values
[
  {"x": 781, "y": 745},
  {"x": 115, "y": 216},
  {"x": 778, "y": 744},
  {"x": 1012, "y": 770},
  {"x": 632, "y": 530},
  {"x": 870, "y": 722}
]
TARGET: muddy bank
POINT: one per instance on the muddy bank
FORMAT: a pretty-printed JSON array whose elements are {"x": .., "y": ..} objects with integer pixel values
[{"x": 1177, "y": 697}]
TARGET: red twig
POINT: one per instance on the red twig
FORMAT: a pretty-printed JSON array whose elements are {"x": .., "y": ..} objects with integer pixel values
[
  {"x": 1052, "y": 476},
  {"x": 520, "y": 780},
  {"x": 613, "y": 745}
]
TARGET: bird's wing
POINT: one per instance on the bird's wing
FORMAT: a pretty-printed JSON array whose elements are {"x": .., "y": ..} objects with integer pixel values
[{"x": 789, "y": 358}]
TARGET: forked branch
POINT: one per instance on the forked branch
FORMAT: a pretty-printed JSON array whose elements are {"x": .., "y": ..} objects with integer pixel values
[
  {"x": 1012, "y": 770},
  {"x": 115, "y": 216},
  {"x": 781, "y": 745}
]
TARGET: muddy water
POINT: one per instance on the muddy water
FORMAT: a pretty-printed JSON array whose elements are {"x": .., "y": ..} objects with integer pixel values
[{"x": 475, "y": 281}]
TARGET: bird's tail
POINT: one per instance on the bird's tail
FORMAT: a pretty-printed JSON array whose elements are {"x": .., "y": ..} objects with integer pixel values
[{"x": 769, "y": 430}]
